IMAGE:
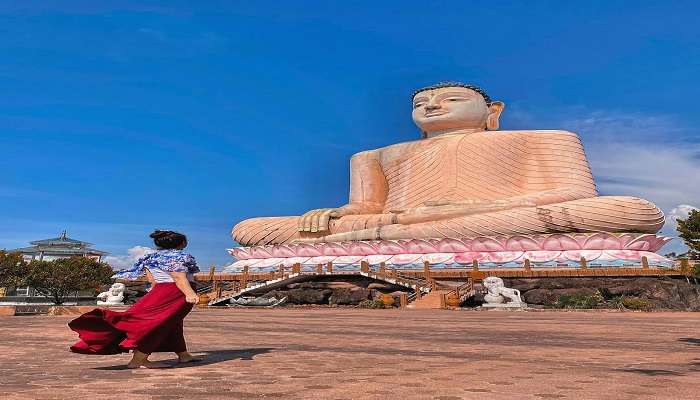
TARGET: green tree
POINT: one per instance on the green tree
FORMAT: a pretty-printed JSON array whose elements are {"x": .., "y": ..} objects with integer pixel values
[
  {"x": 689, "y": 231},
  {"x": 60, "y": 278},
  {"x": 13, "y": 269}
]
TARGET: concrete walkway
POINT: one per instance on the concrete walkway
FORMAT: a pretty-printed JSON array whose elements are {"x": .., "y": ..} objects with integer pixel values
[{"x": 375, "y": 354}]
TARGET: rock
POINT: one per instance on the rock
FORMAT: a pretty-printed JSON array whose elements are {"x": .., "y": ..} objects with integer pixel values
[
  {"x": 346, "y": 296},
  {"x": 551, "y": 296},
  {"x": 538, "y": 296},
  {"x": 308, "y": 296},
  {"x": 662, "y": 292}
]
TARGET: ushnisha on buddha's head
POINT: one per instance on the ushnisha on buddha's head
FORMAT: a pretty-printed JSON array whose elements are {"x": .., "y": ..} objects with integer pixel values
[{"x": 453, "y": 107}]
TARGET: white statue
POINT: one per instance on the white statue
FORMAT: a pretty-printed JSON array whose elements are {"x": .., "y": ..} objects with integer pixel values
[
  {"x": 113, "y": 297},
  {"x": 498, "y": 293}
]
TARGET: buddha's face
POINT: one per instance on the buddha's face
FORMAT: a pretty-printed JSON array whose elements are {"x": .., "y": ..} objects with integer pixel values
[{"x": 453, "y": 108}]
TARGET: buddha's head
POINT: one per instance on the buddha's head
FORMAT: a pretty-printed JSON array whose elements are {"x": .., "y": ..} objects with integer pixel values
[{"x": 451, "y": 106}]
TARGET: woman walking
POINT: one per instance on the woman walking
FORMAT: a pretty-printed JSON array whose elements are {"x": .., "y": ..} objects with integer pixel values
[{"x": 154, "y": 323}]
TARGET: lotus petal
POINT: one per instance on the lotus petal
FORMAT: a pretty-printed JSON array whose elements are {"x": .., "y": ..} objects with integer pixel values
[
  {"x": 580, "y": 238},
  {"x": 453, "y": 246},
  {"x": 439, "y": 258},
  {"x": 347, "y": 260},
  {"x": 629, "y": 255},
  {"x": 332, "y": 249},
  {"x": 418, "y": 246},
  {"x": 521, "y": 243},
  {"x": 502, "y": 256},
  {"x": 591, "y": 255},
  {"x": 602, "y": 241},
  {"x": 626, "y": 239},
  {"x": 241, "y": 253},
  {"x": 360, "y": 248},
  {"x": 575, "y": 255},
  {"x": 541, "y": 256},
  {"x": 390, "y": 247},
  {"x": 307, "y": 250},
  {"x": 469, "y": 256},
  {"x": 259, "y": 252},
  {"x": 376, "y": 259},
  {"x": 639, "y": 243},
  {"x": 282, "y": 251},
  {"x": 269, "y": 262},
  {"x": 401, "y": 259},
  {"x": 560, "y": 242},
  {"x": 653, "y": 257},
  {"x": 657, "y": 242},
  {"x": 320, "y": 260},
  {"x": 288, "y": 262},
  {"x": 484, "y": 243}
]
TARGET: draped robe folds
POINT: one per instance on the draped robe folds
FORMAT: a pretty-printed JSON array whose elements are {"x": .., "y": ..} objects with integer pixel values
[{"x": 484, "y": 183}]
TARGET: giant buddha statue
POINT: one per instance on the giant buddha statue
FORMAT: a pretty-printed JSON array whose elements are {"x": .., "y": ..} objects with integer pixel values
[{"x": 463, "y": 178}]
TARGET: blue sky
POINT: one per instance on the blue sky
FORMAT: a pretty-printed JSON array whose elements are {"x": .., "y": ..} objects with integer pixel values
[{"x": 122, "y": 117}]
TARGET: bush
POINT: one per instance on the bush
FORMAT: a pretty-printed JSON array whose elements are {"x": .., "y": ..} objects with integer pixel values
[
  {"x": 632, "y": 303},
  {"x": 13, "y": 269},
  {"x": 695, "y": 271},
  {"x": 578, "y": 301},
  {"x": 63, "y": 277},
  {"x": 371, "y": 304},
  {"x": 635, "y": 303}
]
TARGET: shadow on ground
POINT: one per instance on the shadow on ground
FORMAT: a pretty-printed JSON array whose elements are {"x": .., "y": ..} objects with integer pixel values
[
  {"x": 652, "y": 372},
  {"x": 207, "y": 358}
]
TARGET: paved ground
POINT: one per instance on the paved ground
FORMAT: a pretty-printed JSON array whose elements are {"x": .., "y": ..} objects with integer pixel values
[{"x": 375, "y": 354}]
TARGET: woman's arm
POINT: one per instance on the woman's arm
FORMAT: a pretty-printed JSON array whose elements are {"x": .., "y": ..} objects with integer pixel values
[
  {"x": 183, "y": 284},
  {"x": 149, "y": 276}
]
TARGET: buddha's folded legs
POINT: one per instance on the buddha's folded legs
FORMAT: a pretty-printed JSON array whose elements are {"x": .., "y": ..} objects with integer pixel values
[
  {"x": 596, "y": 214},
  {"x": 605, "y": 213}
]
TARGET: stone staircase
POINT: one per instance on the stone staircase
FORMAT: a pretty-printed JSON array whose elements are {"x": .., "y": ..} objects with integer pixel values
[
  {"x": 432, "y": 300},
  {"x": 427, "y": 294}
]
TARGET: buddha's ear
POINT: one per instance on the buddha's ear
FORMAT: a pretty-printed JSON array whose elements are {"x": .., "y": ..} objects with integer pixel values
[{"x": 495, "y": 110}]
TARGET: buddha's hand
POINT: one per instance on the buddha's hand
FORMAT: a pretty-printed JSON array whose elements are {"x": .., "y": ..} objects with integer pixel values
[{"x": 319, "y": 220}]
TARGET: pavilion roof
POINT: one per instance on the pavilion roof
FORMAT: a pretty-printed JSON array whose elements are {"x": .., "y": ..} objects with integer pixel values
[
  {"x": 57, "y": 250},
  {"x": 60, "y": 245},
  {"x": 62, "y": 240}
]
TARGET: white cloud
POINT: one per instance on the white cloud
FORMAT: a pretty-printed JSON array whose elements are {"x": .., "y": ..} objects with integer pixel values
[
  {"x": 126, "y": 261},
  {"x": 681, "y": 211}
]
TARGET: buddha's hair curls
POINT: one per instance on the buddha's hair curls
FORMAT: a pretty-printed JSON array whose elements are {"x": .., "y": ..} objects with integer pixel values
[
  {"x": 168, "y": 239},
  {"x": 455, "y": 84}
]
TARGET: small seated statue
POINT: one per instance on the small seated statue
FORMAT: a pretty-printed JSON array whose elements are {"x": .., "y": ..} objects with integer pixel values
[
  {"x": 113, "y": 297},
  {"x": 498, "y": 293},
  {"x": 463, "y": 178}
]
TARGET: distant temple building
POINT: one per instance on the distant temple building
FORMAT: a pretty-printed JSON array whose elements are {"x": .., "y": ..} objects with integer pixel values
[
  {"x": 60, "y": 247},
  {"x": 49, "y": 250}
]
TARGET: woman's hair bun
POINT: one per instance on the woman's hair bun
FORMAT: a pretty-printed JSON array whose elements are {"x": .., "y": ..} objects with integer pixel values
[
  {"x": 168, "y": 239},
  {"x": 158, "y": 234}
]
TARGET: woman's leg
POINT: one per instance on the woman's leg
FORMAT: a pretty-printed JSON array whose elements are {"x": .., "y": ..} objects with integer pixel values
[
  {"x": 177, "y": 344},
  {"x": 140, "y": 360}
]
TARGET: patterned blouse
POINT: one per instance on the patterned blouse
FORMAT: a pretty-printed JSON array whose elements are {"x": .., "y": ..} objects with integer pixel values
[{"x": 164, "y": 260}]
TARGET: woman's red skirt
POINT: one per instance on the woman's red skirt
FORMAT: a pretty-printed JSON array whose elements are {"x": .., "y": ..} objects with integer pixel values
[{"x": 153, "y": 324}]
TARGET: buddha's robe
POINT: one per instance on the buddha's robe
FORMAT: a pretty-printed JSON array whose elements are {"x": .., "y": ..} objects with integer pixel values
[{"x": 485, "y": 183}]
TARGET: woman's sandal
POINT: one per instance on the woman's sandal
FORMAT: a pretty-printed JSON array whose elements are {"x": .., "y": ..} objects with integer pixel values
[{"x": 149, "y": 365}]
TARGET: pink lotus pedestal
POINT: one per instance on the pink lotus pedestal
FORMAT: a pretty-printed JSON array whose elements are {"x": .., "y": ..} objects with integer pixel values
[{"x": 554, "y": 250}]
